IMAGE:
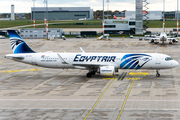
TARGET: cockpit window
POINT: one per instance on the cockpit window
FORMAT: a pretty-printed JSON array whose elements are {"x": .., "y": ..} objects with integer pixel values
[{"x": 168, "y": 59}]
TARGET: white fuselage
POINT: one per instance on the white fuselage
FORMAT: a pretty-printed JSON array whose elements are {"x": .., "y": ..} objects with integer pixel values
[
  {"x": 87, "y": 60},
  {"x": 163, "y": 37}
]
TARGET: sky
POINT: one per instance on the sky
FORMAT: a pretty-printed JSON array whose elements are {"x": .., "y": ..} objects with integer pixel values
[{"x": 24, "y": 6}]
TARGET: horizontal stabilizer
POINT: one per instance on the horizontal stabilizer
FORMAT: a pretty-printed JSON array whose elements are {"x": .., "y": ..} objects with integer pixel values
[
  {"x": 20, "y": 58},
  {"x": 14, "y": 56}
]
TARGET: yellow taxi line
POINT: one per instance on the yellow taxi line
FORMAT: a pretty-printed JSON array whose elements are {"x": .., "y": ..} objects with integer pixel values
[
  {"x": 104, "y": 90},
  {"x": 123, "y": 75},
  {"x": 99, "y": 98},
  {"x": 125, "y": 101},
  {"x": 139, "y": 73},
  {"x": 10, "y": 71},
  {"x": 108, "y": 46},
  {"x": 163, "y": 48}
]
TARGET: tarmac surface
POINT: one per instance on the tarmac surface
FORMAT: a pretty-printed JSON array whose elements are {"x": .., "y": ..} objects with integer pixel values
[{"x": 34, "y": 93}]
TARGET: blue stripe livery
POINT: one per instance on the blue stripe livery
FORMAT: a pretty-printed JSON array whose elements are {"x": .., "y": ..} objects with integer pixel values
[
  {"x": 132, "y": 61},
  {"x": 17, "y": 43}
]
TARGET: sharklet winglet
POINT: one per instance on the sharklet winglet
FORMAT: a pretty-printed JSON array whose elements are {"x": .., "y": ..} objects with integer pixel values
[
  {"x": 63, "y": 61},
  {"x": 82, "y": 50}
]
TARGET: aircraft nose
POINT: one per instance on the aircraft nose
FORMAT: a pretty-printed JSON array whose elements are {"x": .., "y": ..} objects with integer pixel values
[{"x": 175, "y": 64}]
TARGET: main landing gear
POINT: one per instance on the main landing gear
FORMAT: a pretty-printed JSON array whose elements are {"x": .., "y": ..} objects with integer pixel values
[
  {"x": 89, "y": 74},
  {"x": 157, "y": 73}
]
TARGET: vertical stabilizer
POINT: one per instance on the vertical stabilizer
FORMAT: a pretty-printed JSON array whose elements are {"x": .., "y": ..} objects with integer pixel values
[{"x": 17, "y": 43}]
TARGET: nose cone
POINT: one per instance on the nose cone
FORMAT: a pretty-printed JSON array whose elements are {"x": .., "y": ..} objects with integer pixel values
[{"x": 175, "y": 64}]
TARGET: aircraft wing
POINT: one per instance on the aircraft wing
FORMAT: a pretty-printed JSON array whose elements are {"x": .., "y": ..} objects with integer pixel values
[
  {"x": 83, "y": 65},
  {"x": 155, "y": 40},
  {"x": 89, "y": 64},
  {"x": 172, "y": 39}
]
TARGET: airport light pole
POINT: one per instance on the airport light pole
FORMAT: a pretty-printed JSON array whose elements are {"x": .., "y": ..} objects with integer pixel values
[
  {"x": 47, "y": 10},
  {"x": 34, "y": 13},
  {"x": 177, "y": 17},
  {"x": 46, "y": 18},
  {"x": 34, "y": 8},
  {"x": 163, "y": 16},
  {"x": 44, "y": 10},
  {"x": 44, "y": 13},
  {"x": 107, "y": 7},
  {"x": 103, "y": 19}
]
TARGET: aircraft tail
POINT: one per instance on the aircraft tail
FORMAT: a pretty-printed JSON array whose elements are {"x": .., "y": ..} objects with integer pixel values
[
  {"x": 114, "y": 17},
  {"x": 17, "y": 43}
]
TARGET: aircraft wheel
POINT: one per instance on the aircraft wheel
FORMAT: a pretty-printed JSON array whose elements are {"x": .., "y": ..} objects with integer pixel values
[
  {"x": 157, "y": 75},
  {"x": 93, "y": 72},
  {"x": 89, "y": 75}
]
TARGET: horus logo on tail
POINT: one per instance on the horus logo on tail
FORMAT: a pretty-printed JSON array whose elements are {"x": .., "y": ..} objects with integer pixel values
[
  {"x": 17, "y": 43},
  {"x": 134, "y": 61}
]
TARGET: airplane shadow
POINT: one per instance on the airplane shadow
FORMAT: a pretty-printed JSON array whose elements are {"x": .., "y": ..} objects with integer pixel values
[
  {"x": 168, "y": 44},
  {"x": 165, "y": 44}
]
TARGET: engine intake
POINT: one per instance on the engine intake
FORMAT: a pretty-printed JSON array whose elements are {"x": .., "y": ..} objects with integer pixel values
[{"x": 107, "y": 70}]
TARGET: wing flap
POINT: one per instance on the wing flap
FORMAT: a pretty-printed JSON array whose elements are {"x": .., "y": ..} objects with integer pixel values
[{"x": 89, "y": 64}]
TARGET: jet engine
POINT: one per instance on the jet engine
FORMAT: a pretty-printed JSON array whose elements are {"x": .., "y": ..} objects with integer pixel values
[
  {"x": 107, "y": 70},
  {"x": 174, "y": 40}
]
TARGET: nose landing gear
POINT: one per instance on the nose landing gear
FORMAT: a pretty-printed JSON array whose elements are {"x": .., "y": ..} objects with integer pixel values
[{"x": 157, "y": 73}]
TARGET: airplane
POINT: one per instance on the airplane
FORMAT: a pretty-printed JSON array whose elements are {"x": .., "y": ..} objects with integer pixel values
[
  {"x": 82, "y": 19},
  {"x": 101, "y": 63},
  {"x": 118, "y": 17},
  {"x": 163, "y": 36}
]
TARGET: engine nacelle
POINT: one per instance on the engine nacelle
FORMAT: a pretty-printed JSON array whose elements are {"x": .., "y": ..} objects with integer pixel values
[
  {"x": 174, "y": 40},
  {"x": 107, "y": 70}
]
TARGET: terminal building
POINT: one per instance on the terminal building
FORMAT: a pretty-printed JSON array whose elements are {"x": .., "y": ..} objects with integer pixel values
[
  {"x": 41, "y": 33},
  {"x": 154, "y": 15},
  {"x": 119, "y": 26},
  {"x": 61, "y": 13}
]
